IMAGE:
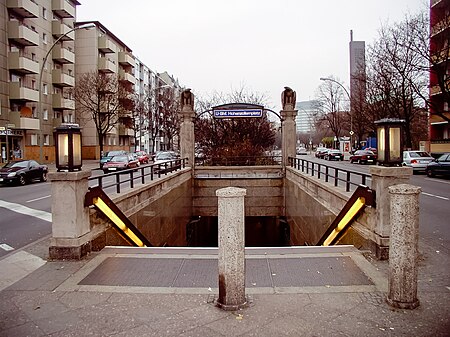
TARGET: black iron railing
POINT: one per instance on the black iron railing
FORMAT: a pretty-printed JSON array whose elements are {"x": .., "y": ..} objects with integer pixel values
[
  {"x": 239, "y": 161},
  {"x": 331, "y": 174},
  {"x": 141, "y": 174}
]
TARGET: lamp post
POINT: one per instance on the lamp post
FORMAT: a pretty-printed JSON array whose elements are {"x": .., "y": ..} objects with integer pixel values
[
  {"x": 349, "y": 99},
  {"x": 68, "y": 147},
  {"x": 41, "y": 117}
]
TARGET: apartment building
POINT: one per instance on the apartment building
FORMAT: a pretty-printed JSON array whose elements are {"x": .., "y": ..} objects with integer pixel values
[
  {"x": 439, "y": 120},
  {"x": 99, "y": 50},
  {"x": 36, "y": 52}
]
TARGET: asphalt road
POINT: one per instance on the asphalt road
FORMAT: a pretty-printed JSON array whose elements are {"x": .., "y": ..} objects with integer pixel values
[{"x": 25, "y": 211}]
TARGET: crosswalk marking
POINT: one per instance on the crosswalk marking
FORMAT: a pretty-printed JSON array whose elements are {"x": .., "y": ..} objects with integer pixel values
[
  {"x": 6, "y": 247},
  {"x": 46, "y": 216}
]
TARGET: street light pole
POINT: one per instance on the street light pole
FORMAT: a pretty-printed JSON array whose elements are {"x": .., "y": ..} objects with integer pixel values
[
  {"x": 40, "y": 112},
  {"x": 349, "y": 99}
]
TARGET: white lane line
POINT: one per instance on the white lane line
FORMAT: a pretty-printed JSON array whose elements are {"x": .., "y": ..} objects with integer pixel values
[
  {"x": 435, "y": 196},
  {"x": 17, "y": 266},
  {"x": 47, "y": 196},
  {"x": 6, "y": 247},
  {"x": 46, "y": 216}
]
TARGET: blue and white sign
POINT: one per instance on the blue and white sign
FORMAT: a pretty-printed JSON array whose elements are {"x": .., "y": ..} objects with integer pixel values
[{"x": 232, "y": 113}]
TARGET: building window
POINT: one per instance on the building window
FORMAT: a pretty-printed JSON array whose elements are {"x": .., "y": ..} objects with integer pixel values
[
  {"x": 70, "y": 118},
  {"x": 33, "y": 84},
  {"x": 44, "y": 13},
  {"x": 34, "y": 140},
  {"x": 44, "y": 38},
  {"x": 45, "y": 115},
  {"x": 33, "y": 112},
  {"x": 46, "y": 140},
  {"x": 45, "y": 89}
]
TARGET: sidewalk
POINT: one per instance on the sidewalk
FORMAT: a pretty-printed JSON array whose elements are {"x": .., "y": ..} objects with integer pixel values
[{"x": 52, "y": 301}]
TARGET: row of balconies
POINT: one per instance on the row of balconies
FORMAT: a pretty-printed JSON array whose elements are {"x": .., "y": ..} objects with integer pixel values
[
  {"x": 30, "y": 9},
  {"x": 21, "y": 93}
]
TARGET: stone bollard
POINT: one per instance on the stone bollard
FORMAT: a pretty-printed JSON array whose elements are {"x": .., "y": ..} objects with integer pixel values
[
  {"x": 231, "y": 230},
  {"x": 403, "y": 247}
]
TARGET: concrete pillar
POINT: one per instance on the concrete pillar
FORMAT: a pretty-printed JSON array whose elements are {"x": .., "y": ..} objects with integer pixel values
[
  {"x": 382, "y": 178},
  {"x": 403, "y": 247},
  {"x": 187, "y": 141},
  {"x": 70, "y": 219},
  {"x": 289, "y": 133},
  {"x": 231, "y": 230}
]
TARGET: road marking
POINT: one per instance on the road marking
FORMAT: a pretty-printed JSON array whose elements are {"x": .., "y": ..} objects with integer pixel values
[
  {"x": 436, "y": 196},
  {"x": 47, "y": 196},
  {"x": 17, "y": 266},
  {"x": 6, "y": 247},
  {"x": 440, "y": 181},
  {"x": 46, "y": 216}
]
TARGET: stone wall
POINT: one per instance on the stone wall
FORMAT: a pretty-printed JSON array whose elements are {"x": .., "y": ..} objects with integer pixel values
[
  {"x": 160, "y": 210},
  {"x": 264, "y": 185},
  {"x": 312, "y": 205}
]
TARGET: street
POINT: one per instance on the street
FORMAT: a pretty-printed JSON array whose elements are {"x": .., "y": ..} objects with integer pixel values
[{"x": 25, "y": 211}]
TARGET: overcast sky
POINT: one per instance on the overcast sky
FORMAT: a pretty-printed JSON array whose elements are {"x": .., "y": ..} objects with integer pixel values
[{"x": 219, "y": 45}]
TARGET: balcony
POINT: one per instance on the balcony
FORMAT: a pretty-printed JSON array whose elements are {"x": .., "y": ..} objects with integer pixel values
[
  {"x": 124, "y": 131},
  {"x": 25, "y": 123},
  {"x": 20, "y": 93},
  {"x": 106, "y": 65},
  {"x": 61, "y": 79},
  {"x": 23, "y": 8},
  {"x": 61, "y": 103},
  {"x": 59, "y": 29},
  {"x": 127, "y": 77},
  {"x": 21, "y": 64},
  {"x": 126, "y": 59},
  {"x": 22, "y": 34},
  {"x": 63, "y": 8},
  {"x": 63, "y": 55},
  {"x": 439, "y": 27},
  {"x": 105, "y": 45}
]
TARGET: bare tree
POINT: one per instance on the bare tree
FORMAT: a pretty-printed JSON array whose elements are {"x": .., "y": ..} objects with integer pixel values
[
  {"x": 332, "y": 116},
  {"x": 232, "y": 138},
  {"x": 101, "y": 98},
  {"x": 396, "y": 83},
  {"x": 169, "y": 107}
]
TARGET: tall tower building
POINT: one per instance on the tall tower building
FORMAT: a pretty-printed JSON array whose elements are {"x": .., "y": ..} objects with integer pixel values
[{"x": 439, "y": 120}]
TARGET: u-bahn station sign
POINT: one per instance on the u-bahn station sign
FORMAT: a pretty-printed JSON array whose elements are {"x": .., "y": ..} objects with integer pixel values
[{"x": 238, "y": 110}]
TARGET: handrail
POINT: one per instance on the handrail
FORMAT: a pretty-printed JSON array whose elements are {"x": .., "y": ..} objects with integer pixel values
[
  {"x": 323, "y": 169},
  {"x": 263, "y": 160},
  {"x": 142, "y": 172}
]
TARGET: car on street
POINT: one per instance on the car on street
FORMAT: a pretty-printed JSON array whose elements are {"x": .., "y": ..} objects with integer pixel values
[
  {"x": 22, "y": 172},
  {"x": 333, "y": 155},
  {"x": 143, "y": 157},
  {"x": 363, "y": 157},
  {"x": 439, "y": 167},
  {"x": 120, "y": 162},
  {"x": 163, "y": 159},
  {"x": 418, "y": 160},
  {"x": 302, "y": 151},
  {"x": 320, "y": 152},
  {"x": 107, "y": 156}
]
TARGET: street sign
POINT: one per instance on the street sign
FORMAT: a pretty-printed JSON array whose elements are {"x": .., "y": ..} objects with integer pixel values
[
  {"x": 233, "y": 113},
  {"x": 351, "y": 133}
]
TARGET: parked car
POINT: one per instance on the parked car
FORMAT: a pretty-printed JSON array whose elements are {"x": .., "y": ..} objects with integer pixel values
[
  {"x": 320, "y": 152},
  {"x": 23, "y": 171},
  {"x": 440, "y": 166},
  {"x": 120, "y": 162},
  {"x": 107, "y": 156},
  {"x": 334, "y": 155},
  {"x": 302, "y": 151},
  {"x": 162, "y": 160},
  {"x": 143, "y": 157},
  {"x": 363, "y": 157},
  {"x": 418, "y": 160}
]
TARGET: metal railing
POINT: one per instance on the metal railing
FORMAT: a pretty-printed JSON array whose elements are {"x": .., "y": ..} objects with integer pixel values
[
  {"x": 239, "y": 161},
  {"x": 330, "y": 174},
  {"x": 141, "y": 174}
]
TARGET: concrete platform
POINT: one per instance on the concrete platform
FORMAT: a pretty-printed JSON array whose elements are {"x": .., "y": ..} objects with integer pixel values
[{"x": 195, "y": 271}]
